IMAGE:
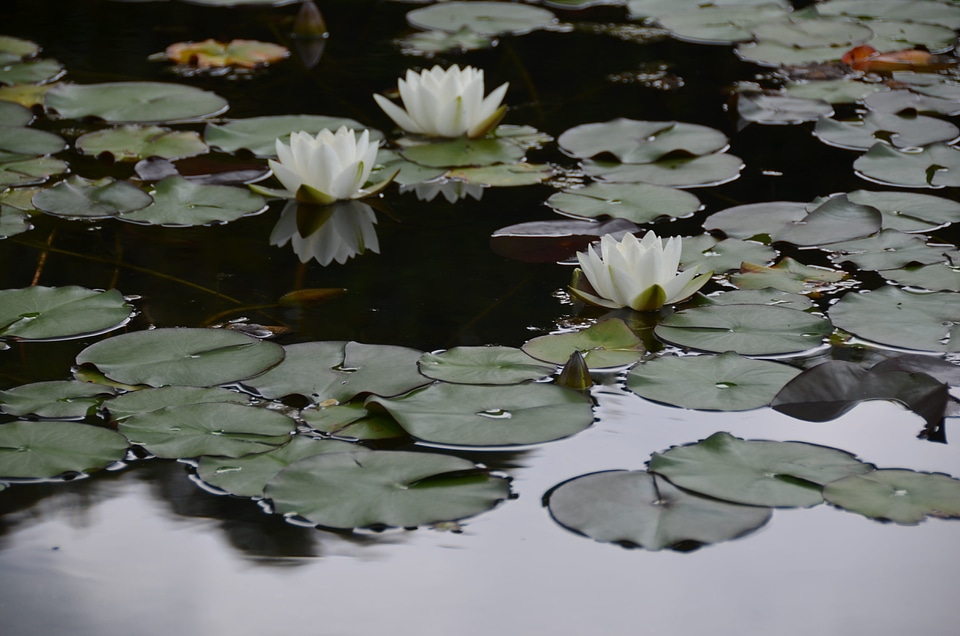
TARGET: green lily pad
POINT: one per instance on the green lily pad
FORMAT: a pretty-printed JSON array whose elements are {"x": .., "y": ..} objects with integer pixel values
[
  {"x": 384, "y": 488},
  {"x": 715, "y": 255},
  {"x": 340, "y": 371},
  {"x": 935, "y": 277},
  {"x": 763, "y": 296},
  {"x": 892, "y": 316},
  {"x": 899, "y": 131},
  {"x": 925, "y": 11},
  {"x": 13, "y": 49},
  {"x": 352, "y": 421},
  {"x": 633, "y": 141},
  {"x": 134, "y": 102},
  {"x": 934, "y": 166},
  {"x": 148, "y": 400},
  {"x": 213, "y": 428},
  {"x": 727, "y": 382},
  {"x": 184, "y": 357},
  {"x": 259, "y": 134},
  {"x": 720, "y": 24},
  {"x": 904, "y": 100},
  {"x": 889, "y": 249},
  {"x": 654, "y": 8},
  {"x": 247, "y": 476},
  {"x": 781, "y": 109},
  {"x": 637, "y": 202},
  {"x": 836, "y": 91},
  {"x": 485, "y": 18},
  {"x": 788, "y": 275},
  {"x": 905, "y": 497},
  {"x": 463, "y": 152},
  {"x": 30, "y": 171},
  {"x": 771, "y": 53},
  {"x": 746, "y": 329},
  {"x": 57, "y": 399},
  {"x": 483, "y": 365},
  {"x": 18, "y": 143},
  {"x": 91, "y": 199},
  {"x": 48, "y": 449},
  {"x": 53, "y": 313},
  {"x": 14, "y": 114},
  {"x": 504, "y": 175},
  {"x": 641, "y": 509},
  {"x": 683, "y": 172},
  {"x": 30, "y": 72},
  {"x": 180, "y": 202},
  {"x": 132, "y": 143},
  {"x": 471, "y": 415},
  {"x": 805, "y": 34},
  {"x": 13, "y": 221},
  {"x": 895, "y": 35},
  {"x": 909, "y": 211},
  {"x": 607, "y": 344},
  {"x": 758, "y": 473}
]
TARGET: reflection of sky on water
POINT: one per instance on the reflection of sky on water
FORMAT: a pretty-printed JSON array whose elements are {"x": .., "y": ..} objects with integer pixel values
[{"x": 148, "y": 555}]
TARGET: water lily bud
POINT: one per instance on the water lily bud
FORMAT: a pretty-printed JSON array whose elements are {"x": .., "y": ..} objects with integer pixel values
[{"x": 575, "y": 373}]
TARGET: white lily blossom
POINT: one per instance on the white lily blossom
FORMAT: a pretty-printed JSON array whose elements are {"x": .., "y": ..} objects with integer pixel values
[
  {"x": 640, "y": 274},
  {"x": 327, "y": 167},
  {"x": 446, "y": 103}
]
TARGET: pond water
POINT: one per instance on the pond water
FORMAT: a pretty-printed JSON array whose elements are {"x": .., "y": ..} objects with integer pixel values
[{"x": 146, "y": 548}]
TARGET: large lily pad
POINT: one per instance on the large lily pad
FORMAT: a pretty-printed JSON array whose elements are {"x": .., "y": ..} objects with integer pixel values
[
  {"x": 14, "y": 114},
  {"x": 714, "y": 255},
  {"x": 788, "y": 275},
  {"x": 640, "y": 509},
  {"x": 902, "y": 496},
  {"x": 384, "y": 488},
  {"x": 48, "y": 313},
  {"x": 609, "y": 343},
  {"x": 246, "y": 476},
  {"x": 462, "y": 152},
  {"x": 132, "y": 143},
  {"x": 180, "y": 202},
  {"x": 925, "y": 11},
  {"x": 259, "y": 134},
  {"x": 892, "y": 316},
  {"x": 56, "y": 399},
  {"x": 483, "y": 365},
  {"x": 352, "y": 421},
  {"x": 555, "y": 240},
  {"x": 485, "y": 18},
  {"x": 147, "y": 400},
  {"x": 909, "y": 211},
  {"x": 680, "y": 172},
  {"x": 898, "y": 130},
  {"x": 633, "y": 141},
  {"x": 18, "y": 142},
  {"x": 759, "y": 473},
  {"x": 781, "y": 109},
  {"x": 31, "y": 72},
  {"x": 13, "y": 221},
  {"x": 727, "y": 382},
  {"x": 30, "y": 171},
  {"x": 746, "y": 329},
  {"x": 213, "y": 428},
  {"x": 637, "y": 202},
  {"x": 935, "y": 277},
  {"x": 134, "y": 102},
  {"x": 654, "y": 8},
  {"x": 340, "y": 371},
  {"x": 185, "y": 357},
  {"x": 720, "y": 24},
  {"x": 890, "y": 249},
  {"x": 48, "y": 449},
  {"x": 934, "y": 166},
  {"x": 471, "y": 415},
  {"x": 78, "y": 197}
]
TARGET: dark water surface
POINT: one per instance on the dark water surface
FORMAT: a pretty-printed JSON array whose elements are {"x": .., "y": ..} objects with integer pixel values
[{"x": 145, "y": 551}]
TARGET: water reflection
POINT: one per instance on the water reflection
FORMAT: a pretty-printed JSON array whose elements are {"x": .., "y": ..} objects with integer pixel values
[
  {"x": 336, "y": 232},
  {"x": 452, "y": 191}
]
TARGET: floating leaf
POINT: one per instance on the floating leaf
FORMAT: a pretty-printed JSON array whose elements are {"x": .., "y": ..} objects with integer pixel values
[
  {"x": 654, "y": 8},
  {"x": 49, "y": 449},
  {"x": 936, "y": 277},
  {"x": 91, "y": 199},
  {"x": 637, "y": 202},
  {"x": 788, "y": 275},
  {"x": 714, "y": 255},
  {"x": 900, "y": 131},
  {"x": 352, "y": 421},
  {"x": 215, "y": 428},
  {"x": 179, "y": 202},
  {"x": 909, "y": 211},
  {"x": 504, "y": 175},
  {"x": 934, "y": 166},
  {"x": 681, "y": 172},
  {"x": 49, "y": 313},
  {"x": 185, "y": 357},
  {"x": 238, "y": 53},
  {"x": 906, "y": 101},
  {"x": 483, "y": 365},
  {"x": 30, "y": 171},
  {"x": 553, "y": 241},
  {"x": 727, "y": 382},
  {"x": 836, "y": 91},
  {"x": 609, "y": 343},
  {"x": 746, "y": 329},
  {"x": 485, "y": 18},
  {"x": 14, "y": 114},
  {"x": 18, "y": 143},
  {"x": 471, "y": 415},
  {"x": 134, "y": 102},
  {"x": 31, "y": 72},
  {"x": 892, "y": 316},
  {"x": 890, "y": 249},
  {"x": 764, "y": 296},
  {"x": 260, "y": 134},
  {"x": 640, "y": 509},
  {"x": 132, "y": 143},
  {"x": 148, "y": 400},
  {"x": 57, "y": 399},
  {"x": 13, "y": 221},
  {"x": 901, "y": 496},
  {"x": 462, "y": 152},
  {"x": 911, "y": 10},
  {"x": 758, "y": 473},
  {"x": 633, "y": 141},
  {"x": 720, "y": 24},
  {"x": 781, "y": 109},
  {"x": 13, "y": 49},
  {"x": 804, "y": 34}
]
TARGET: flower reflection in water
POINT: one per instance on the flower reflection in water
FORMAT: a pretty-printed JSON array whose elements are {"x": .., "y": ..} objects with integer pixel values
[
  {"x": 452, "y": 191},
  {"x": 336, "y": 232}
]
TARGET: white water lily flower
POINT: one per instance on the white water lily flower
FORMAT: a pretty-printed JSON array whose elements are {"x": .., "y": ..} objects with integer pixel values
[
  {"x": 446, "y": 103},
  {"x": 328, "y": 167},
  {"x": 640, "y": 274}
]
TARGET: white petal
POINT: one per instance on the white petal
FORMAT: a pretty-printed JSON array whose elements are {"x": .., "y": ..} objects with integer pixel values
[
  {"x": 290, "y": 180},
  {"x": 397, "y": 114}
]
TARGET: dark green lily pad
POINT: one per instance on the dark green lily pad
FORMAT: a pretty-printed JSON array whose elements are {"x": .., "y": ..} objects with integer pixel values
[
  {"x": 836, "y": 91},
  {"x": 936, "y": 277},
  {"x": 14, "y": 114},
  {"x": 471, "y": 415},
  {"x": 30, "y": 72},
  {"x": 463, "y": 152},
  {"x": 504, "y": 175},
  {"x": 788, "y": 275},
  {"x": 132, "y": 143},
  {"x": 247, "y": 476},
  {"x": 806, "y": 33},
  {"x": 765, "y": 296},
  {"x": 57, "y": 399},
  {"x": 13, "y": 49},
  {"x": 890, "y": 249},
  {"x": 781, "y": 109},
  {"x": 148, "y": 400},
  {"x": 892, "y": 316},
  {"x": 52, "y": 313},
  {"x": 483, "y": 365},
  {"x": 746, "y": 329},
  {"x": 637, "y": 202},
  {"x": 895, "y": 35},
  {"x": 899, "y": 101},
  {"x": 78, "y": 197},
  {"x": 323, "y": 371},
  {"x": 641, "y": 509},
  {"x": 134, "y": 102},
  {"x": 654, "y": 8},
  {"x": 758, "y": 473},
  {"x": 633, "y": 141},
  {"x": 925, "y": 11},
  {"x": 909, "y": 211},
  {"x": 213, "y": 428},
  {"x": 180, "y": 202},
  {"x": 352, "y": 421},
  {"x": 774, "y": 54},
  {"x": 48, "y": 449},
  {"x": 717, "y": 256},
  {"x": 485, "y": 18},
  {"x": 384, "y": 488},
  {"x": 899, "y": 131},
  {"x": 18, "y": 142},
  {"x": 727, "y": 382},
  {"x": 184, "y": 357},
  {"x": 30, "y": 171},
  {"x": 934, "y": 166},
  {"x": 259, "y": 134},
  {"x": 901, "y": 496},
  {"x": 13, "y": 221},
  {"x": 720, "y": 24},
  {"x": 682, "y": 172},
  {"x": 410, "y": 173},
  {"x": 607, "y": 344}
]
